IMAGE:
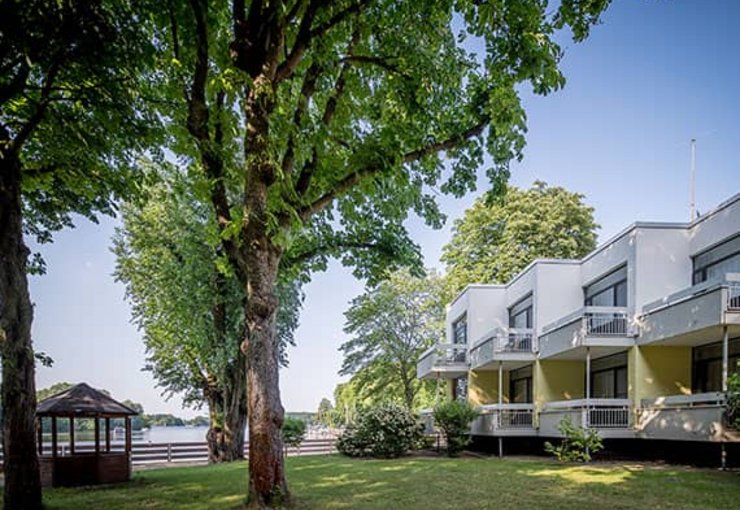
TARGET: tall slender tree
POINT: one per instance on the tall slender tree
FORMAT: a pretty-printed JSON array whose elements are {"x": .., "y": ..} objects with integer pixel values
[
  {"x": 330, "y": 119},
  {"x": 72, "y": 120},
  {"x": 390, "y": 326},
  {"x": 189, "y": 306}
]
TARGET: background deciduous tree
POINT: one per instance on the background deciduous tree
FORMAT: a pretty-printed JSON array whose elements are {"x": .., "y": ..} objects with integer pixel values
[
  {"x": 496, "y": 238},
  {"x": 390, "y": 326},
  {"x": 189, "y": 305},
  {"x": 321, "y": 125},
  {"x": 73, "y": 78}
]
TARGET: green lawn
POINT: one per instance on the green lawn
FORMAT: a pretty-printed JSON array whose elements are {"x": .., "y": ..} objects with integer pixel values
[{"x": 334, "y": 482}]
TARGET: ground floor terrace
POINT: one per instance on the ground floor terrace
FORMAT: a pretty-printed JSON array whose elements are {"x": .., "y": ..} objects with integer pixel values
[
  {"x": 334, "y": 482},
  {"x": 660, "y": 391}
]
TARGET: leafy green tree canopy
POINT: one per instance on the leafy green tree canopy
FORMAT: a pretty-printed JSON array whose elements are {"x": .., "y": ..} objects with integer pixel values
[
  {"x": 497, "y": 238},
  {"x": 321, "y": 125},
  {"x": 390, "y": 325}
]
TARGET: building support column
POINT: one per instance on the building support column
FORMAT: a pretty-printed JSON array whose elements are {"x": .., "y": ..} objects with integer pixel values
[
  {"x": 587, "y": 423},
  {"x": 725, "y": 375},
  {"x": 725, "y": 357},
  {"x": 500, "y": 403}
]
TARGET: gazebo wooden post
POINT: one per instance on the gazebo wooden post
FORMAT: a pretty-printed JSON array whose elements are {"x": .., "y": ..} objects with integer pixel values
[
  {"x": 107, "y": 434},
  {"x": 97, "y": 434},
  {"x": 71, "y": 435},
  {"x": 39, "y": 434},
  {"x": 54, "y": 436},
  {"x": 128, "y": 434}
]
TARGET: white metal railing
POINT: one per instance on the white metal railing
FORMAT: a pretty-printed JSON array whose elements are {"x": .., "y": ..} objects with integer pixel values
[
  {"x": 503, "y": 341},
  {"x": 733, "y": 296},
  {"x": 442, "y": 355},
  {"x": 506, "y": 416},
  {"x": 605, "y": 321},
  {"x": 598, "y": 413},
  {"x": 730, "y": 280},
  {"x": 594, "y": 321},
  {"x": 516, "y": 340}
]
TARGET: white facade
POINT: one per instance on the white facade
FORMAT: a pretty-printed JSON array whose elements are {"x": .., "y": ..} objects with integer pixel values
[{"x": 645, "y": 287}]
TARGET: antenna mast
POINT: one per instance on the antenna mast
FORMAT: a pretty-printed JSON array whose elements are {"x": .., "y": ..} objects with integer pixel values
[{"x": 692, "y": 182}]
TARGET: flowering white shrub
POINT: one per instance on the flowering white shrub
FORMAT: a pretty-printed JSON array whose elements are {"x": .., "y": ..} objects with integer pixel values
[{"x": 388, "y": 430}]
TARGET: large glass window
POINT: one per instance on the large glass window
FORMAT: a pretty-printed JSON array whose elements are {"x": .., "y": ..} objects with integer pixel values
[
  {"x": 520, "y": 386},
  {"x": 716, "y": 262},
  {"x": 460, "y": 388},
  {"x": 611, "y": 290},
  {"x": 609, "y": 376},
  {"x": 460, "y": 330},
  {"x": 708, "y": 365},
  {"x": 520, "y": 315}
]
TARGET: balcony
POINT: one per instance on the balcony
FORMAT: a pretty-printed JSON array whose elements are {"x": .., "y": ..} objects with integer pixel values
[
  {"x": 443, "y": 361},
  {"x": 504, "y": 345},
  {"x": 610, "y": 416},
  {"x": 684, "y": 418},
  {"x": 695, "y": 315},
  {"x": 504, "y": 420},
  {"x": 606, "y": 328}
]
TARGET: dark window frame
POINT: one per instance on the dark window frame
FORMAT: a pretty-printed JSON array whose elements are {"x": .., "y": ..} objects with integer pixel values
[
  {"x": 698, "y": 375},
  {"x": 613, "y": 289},
  {"x": 529, "y": 391},
  {"x": 615, "y": 375},
  {"x": 456, "y": 394},
  {"x": 462, "y": 319},
  {"x": 528, "y": 312},
  {"x": 699, "y": 274}
]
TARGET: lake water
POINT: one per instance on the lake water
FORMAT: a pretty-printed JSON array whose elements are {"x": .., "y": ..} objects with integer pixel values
[{"x": 172, "y": 435}]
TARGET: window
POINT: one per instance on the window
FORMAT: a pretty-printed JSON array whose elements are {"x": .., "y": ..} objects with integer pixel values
[
  {"x": 520, "y": 386},
  {"x": 520, "y": 315},
  {"x": 609, "y": 376},
  {"x": 716, "y": 262},
  {"x": 707, "y": 368},
  {"x": 460, "y": 388},
  {"x": 611, "y": 290},
  {"x": 460, "y": 331}
]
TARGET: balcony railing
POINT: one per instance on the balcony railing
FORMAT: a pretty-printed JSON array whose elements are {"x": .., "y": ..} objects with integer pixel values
[
  {"x": 733, "y": 297},
  {"x": 442, "y": 356},
  {"x": 605, "y": 321},
  {"x": 503, "y": 417},
  {"x": 597, "y": 413},
  {"x": 520, "y": 341}
]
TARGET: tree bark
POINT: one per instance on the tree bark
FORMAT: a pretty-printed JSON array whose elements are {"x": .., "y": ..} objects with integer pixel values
[
  {"x": 235, "y": 412},
  {"x": 22, "y": 481},
  {"x": 267, "y": 483}
]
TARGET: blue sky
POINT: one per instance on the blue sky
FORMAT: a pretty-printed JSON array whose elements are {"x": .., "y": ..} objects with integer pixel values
[{"x": 651, "y": 77}]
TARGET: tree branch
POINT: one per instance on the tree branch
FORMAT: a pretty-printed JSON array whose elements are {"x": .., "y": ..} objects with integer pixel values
[
  {"x": 307, "y": 90},
  {"x": 352, "y": 179},
  {"x": 306, "y": 34},
  {"x": 304, "y": 179},
  {"x": 38, "y": 114}
]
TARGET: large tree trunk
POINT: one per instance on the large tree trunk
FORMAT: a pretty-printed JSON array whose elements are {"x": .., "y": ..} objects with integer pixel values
[
  {"x": 235, "y": 412},
  {"x": 22, "y": 482},
  {"x": 227, "y": 410},
  {"x": 267, "y": 483}
]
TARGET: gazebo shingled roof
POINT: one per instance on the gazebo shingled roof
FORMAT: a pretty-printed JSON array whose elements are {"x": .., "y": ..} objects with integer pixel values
[{"x": 82, "y": 401}]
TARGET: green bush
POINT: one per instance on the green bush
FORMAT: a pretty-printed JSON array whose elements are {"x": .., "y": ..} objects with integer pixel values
[
  {"x": 294, "y": 431},
  {"x": 454, "y": 417},
  {"x": 577, "y": 445},
  {"x": 732, "y": 410},
  {"x": 385, "y": 431}
]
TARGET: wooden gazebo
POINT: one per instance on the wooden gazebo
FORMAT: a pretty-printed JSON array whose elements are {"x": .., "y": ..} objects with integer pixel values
[{"x": 83, "y": 465}]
